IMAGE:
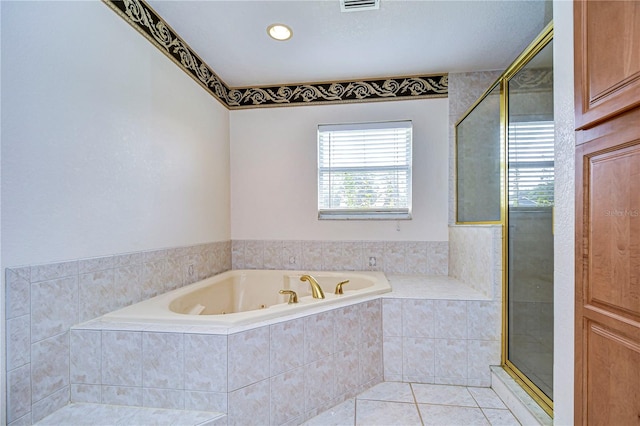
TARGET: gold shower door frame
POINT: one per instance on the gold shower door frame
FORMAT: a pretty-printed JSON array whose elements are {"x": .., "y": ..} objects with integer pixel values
[{"x": 533, "y": 49}]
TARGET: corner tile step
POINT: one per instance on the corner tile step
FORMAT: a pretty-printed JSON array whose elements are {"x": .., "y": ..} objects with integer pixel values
[{"x": 108, "y": 415}]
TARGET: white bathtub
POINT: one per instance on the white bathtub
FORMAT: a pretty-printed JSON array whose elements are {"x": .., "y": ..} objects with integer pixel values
[{"x": 245, "y": 296}]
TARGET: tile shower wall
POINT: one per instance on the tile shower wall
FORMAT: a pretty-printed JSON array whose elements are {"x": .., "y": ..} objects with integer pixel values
[
  {"x": 440, "y": 341},
  {"x": 475, "y": 257},
  {"x": 44, "y": 301},
  {"x": 282, "y": 373},
  {"x": 391, "y": 257}
]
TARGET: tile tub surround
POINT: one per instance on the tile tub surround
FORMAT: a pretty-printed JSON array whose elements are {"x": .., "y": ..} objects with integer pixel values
[
  {"x": 288, "y": 370},
  {"x": 439, "y": 330},
  {"x": 44, "y": 301},
  {"x": 26, "y": 357},
  {"x": 392, "y": 257},
  {"x": 280, "y": 371}
]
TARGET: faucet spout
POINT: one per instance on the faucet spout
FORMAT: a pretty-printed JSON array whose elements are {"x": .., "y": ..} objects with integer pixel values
[{"x": 316, "y": 290}]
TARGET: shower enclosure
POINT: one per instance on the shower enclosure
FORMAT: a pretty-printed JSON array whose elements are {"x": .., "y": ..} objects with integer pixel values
[{"x": 504, "y": 175}]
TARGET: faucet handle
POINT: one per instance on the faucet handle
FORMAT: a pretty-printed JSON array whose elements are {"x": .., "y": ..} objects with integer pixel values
[
  {"x": 293, "y": 297},
  {"x": 339, "y": 287}
]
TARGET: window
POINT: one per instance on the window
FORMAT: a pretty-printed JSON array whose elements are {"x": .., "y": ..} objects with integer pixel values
[
  {"x": 364, "y": 171},
  {"x": 531, "y": 163}
]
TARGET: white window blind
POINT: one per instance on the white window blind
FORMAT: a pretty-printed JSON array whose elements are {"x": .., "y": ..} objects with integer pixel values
[
  {"x": 364, "y": 170},
  {"x": 531, "y": 147}
]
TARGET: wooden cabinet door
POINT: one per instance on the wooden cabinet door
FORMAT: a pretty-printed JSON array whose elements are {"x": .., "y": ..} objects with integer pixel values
[
  {"x": 607, "y": 95},
  {"x": 607, "y": 42},
  {"x": 608, "y": 273}
]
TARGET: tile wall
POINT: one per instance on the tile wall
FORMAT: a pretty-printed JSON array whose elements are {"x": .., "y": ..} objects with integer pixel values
[
  {"x": 391, "y": 257},
  {"x": 441, "y": 341},
  {"x": 475, "y": 257},
  {"x": 44, "y": 301},
  {"x": 282, "y": 373}
]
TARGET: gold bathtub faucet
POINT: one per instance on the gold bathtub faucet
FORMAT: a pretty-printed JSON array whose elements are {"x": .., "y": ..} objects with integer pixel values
[
  {"x": 339, "y": 287},
  {"x": 293, "y": 297},
  {"x": 316, "y": 290}
]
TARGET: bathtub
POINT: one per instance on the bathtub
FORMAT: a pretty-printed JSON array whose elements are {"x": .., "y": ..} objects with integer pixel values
[{"x": 241, "y": 297}]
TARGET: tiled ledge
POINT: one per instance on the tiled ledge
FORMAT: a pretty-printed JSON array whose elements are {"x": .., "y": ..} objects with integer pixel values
[
  {"x": 431, "y": 287},
  {"x": 526, "y": 410},
  {"x": 78, "y": 414}
]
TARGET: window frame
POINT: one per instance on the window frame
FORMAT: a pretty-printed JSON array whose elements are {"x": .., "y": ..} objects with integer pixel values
[{"x": 375, "y": 213}]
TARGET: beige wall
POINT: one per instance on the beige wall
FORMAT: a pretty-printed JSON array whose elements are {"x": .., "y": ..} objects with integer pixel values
[
  {"x": 564, "y": 219},
  {"x": 107, "y": 146},
  {"x": 274, "y": 175}
]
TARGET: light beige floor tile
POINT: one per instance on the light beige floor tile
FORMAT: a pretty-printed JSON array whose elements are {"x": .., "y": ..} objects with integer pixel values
[
  {"x": 389, "y": 391},
  {"x": 486, "y": 398},
  {"x": 443, "y": 395},
  {"x": 385, "y": 413},
  {"x": 500, "y": 417},
  {"x": 340, "y": 415},
  {"x": 445, "y": 415}
]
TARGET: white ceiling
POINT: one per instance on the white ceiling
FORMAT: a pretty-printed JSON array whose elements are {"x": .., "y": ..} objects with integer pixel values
[{"x": 401, "y": 38}]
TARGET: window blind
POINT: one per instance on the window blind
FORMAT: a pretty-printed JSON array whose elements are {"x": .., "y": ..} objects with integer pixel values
[
  {"x": 531, "y": 163},
  {"x": 364, "y": 170}
]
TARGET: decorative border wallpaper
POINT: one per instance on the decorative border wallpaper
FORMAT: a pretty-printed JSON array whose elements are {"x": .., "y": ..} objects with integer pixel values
[
  {"x": 146, "y": 21},
  {"x": 528, "y": 80}
]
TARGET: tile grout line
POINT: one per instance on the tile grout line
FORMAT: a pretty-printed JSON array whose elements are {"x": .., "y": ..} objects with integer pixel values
[
  {"x": 415, "y": 401},
  {"x": 478, "y": 404},
  {"x": 355, "y": 411}
]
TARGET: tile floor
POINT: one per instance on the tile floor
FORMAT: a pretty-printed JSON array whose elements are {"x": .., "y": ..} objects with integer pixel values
[
  {"x": 394, "y": 403},
  {"x": 388, "y": 404}
]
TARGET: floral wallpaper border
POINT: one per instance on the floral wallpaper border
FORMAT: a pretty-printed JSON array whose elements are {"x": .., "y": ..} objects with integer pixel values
[{"x": 147, "y": 22}]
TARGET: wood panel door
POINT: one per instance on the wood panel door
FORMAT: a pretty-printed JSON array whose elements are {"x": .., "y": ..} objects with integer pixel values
[{"x": 607, "y": 76}]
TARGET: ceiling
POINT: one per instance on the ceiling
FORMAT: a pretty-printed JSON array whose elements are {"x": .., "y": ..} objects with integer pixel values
[{"x": 401, "y": 38}]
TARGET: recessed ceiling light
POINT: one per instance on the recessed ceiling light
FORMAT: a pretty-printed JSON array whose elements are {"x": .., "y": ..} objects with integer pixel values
[{"x": 279, "y": 32}]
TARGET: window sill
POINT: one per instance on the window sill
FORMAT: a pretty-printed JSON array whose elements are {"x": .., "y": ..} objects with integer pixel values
[{"x": 363, "y": 216}]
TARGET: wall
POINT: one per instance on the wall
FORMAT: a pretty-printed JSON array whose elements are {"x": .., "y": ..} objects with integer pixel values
[
  {"x": 45, "y": 301},
  {"x": 390, "y": 257},
  {"x": 475, "y": 257},
  {"x": 563, "y": 354},
  {"x": 3, "y": 378},
  {"x": 107, "y": 146},
  {"x": 274, "y": 175}
]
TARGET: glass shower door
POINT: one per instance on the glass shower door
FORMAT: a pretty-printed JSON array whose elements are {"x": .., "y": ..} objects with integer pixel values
[{"x": 530, "y": 187}]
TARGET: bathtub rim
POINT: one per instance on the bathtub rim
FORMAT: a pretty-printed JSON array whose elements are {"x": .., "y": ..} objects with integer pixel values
[{"x": 159, "y": 315}]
